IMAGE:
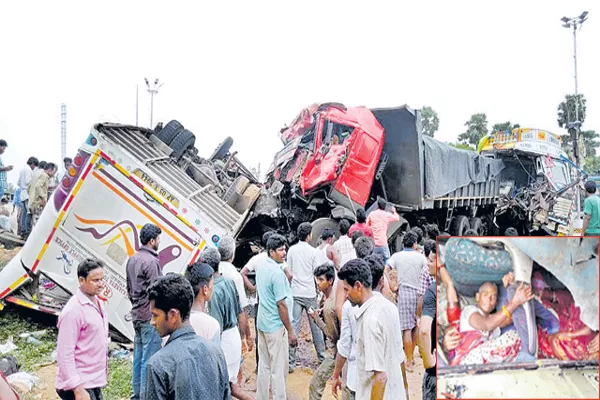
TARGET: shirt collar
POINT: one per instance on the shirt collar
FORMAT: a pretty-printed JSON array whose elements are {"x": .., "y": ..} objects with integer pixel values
[
  {"x": 408, "y": 249},
  {"x": 149, "y": 250},
  {"x": 361, "y": 310},
  {"x": 181, "y": 332},
  {"x": 83, "y": 299}
]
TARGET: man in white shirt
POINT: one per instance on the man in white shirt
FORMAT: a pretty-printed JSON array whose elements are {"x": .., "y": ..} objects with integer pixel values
[
  {"x": 200, "y": 276},
  {"x": 379, "y": 351},
  {"x": 343, "y": 245},
  {"x": 301, "y": 260},
  {"x": 226, "y": 248},
  {"x": 25, "y": 176},
  {"x": 347, "y": 343}
]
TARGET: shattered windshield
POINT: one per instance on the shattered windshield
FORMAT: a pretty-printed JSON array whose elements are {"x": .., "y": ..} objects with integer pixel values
[{"x": 557, "y": 172}]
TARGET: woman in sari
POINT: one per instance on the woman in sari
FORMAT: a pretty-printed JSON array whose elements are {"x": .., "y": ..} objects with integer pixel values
[{"x": 574, "y": 340}]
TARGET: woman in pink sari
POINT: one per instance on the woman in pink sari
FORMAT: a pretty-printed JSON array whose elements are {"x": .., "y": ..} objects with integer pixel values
[{"x": 574, "y": 339}]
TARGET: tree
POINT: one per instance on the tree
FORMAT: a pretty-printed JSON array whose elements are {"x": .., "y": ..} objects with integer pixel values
[
  {"x": 589, "y": 140},
  {"x": 476, "y": 129},
  {"x": 430, "y": 121},
  {"x": 462, "y": 146},
  {"x": 504, "y": 126},
  {"x": 567, "y": 110},
  {"x": 592, "y": 165}
]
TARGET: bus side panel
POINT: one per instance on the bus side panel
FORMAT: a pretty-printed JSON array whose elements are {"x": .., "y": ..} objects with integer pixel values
[{"x": 104, "y": 222}]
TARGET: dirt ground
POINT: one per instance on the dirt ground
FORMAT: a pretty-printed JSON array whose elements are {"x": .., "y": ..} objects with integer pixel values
[{"x": 297, "y": 383}]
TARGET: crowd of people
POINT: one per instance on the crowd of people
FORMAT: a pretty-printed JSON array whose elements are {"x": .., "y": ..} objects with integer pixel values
[
  {"x": 190, "y": 328},
  {"x": 37, "y": 180}
]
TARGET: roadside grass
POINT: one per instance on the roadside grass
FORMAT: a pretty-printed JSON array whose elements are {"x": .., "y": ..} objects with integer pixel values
[{"x": 16, "y": 320}]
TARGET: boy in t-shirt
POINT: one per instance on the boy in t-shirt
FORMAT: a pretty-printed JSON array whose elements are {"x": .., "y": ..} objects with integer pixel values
[{"x": 591, "y": 209}]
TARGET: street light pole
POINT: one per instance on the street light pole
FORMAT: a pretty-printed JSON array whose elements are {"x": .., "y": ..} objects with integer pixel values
[
  {"x": 152, "y": 89},
  {"x": 575, "y": 126},
  {"x": 575, "y": 23}
]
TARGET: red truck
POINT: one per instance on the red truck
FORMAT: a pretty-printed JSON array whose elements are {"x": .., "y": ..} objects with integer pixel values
[{"x": 337, "y": 159}]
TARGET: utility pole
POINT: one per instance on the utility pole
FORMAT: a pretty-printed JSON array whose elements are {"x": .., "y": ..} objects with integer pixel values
[
  {"x": 574, "y": 127},
  {"x": 575, "y": 23},
  {"x": 137, "y": 108},
  {"x": 152, "y": 89},
  {"x": 63, "y": 131}
]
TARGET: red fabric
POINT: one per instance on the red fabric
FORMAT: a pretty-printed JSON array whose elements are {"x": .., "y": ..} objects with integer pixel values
[
  {"x": 453, "y": 314},
  {"x": 469, "y": 341},
  {"x": 569, "y": 320},
  {"x": 366, "y": 229}
]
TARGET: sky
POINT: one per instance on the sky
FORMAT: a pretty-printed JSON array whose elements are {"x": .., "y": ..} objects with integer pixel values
[{"x": 244, "y": 69}]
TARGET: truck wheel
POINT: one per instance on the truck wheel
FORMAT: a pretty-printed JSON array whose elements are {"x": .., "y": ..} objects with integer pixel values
[
  {"x": 183, "y": 141},
  {"x": 459, "y": 225},
  {"x": 236, "y": 190},
  {"x": 222, "y": 150},
  {"x": 319, "y": 225},
  {"x": 170, "y": 132},
  {"x": 476, "y": 225}
]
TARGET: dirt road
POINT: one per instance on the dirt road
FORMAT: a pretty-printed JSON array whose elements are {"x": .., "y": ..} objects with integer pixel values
[{"x": 297, "y": 382}]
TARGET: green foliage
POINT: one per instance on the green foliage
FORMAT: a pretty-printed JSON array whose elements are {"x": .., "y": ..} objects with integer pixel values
[
  {"x": 16, "y": 320},
  {"x": 430, "y": 121},
  {"x": 119, "y": 379},
  {"x": 592, "y": 165},
  {"x": 476, "y": 129},
  {"x": 590, "y": 141},
  {"x": 504, "y": 126},
  {"x": 567, "y": 110}
]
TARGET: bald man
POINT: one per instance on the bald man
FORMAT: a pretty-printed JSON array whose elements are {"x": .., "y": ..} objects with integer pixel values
[{"x": 479, "y": 320}]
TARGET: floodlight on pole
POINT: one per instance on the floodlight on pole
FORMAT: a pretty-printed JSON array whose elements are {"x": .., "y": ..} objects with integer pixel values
[
  {"x": 574, "y": 127},
  {"x": 152, "y": 89}
]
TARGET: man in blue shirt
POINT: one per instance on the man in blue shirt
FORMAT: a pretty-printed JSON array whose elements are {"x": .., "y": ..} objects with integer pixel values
[
  {"x": 188, "y": 366},
  {"x": 275, "y": 332}
]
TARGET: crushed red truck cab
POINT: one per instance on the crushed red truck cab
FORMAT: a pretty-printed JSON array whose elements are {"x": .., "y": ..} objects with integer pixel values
[{"x": 341, "y": 152}]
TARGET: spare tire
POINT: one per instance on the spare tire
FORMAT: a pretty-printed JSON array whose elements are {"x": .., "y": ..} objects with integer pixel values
[
  {"x": 183, "y": 141},
  {"x": 222, "y": 150},
  {"x": 170, "y": 131}
]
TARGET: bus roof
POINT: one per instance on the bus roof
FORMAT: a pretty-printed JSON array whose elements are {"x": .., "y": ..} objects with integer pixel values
[{"x": 528, "y": 140}]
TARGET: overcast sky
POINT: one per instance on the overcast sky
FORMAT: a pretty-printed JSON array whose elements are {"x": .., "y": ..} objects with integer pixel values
[{"x": 244, "y": 69}]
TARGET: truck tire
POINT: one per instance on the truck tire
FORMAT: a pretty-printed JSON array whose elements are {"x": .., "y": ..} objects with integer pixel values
[
  {"x": 236, "y": 190},
  {"x": 319, "y": 225},
  {"x": 170, "y": 132},
  {"x": 477, "y": 225},
  {"x": 459, "y": 225},
  {"x": 222, "y": 150},
  {"x": 183, "y": 141}
]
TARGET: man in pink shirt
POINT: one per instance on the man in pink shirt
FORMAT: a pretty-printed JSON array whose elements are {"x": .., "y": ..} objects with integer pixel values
[
  {"x": 361, "y": 224},
  {"x": 82, "y": 343},
  {"x": 379, "y": 220}
]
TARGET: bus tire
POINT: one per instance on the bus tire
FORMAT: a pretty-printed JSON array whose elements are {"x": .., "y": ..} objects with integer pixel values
[
  {"x": 236, "y": 190},
  {"x": 459, "y": 225},
  {"x": 222, "y": 150},
  {"x": 183, "y": 141},
  {"x": 170, "y": 132}
]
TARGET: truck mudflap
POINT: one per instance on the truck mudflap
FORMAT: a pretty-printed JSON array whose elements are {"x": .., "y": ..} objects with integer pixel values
[{"x": 538, "y": 379}]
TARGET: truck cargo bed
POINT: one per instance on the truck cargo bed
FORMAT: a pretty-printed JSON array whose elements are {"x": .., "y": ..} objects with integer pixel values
[{"x": 422, "y": 173}]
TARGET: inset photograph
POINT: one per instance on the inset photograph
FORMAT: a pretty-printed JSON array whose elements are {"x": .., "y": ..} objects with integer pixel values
[{"x": 517, "y": 317}]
